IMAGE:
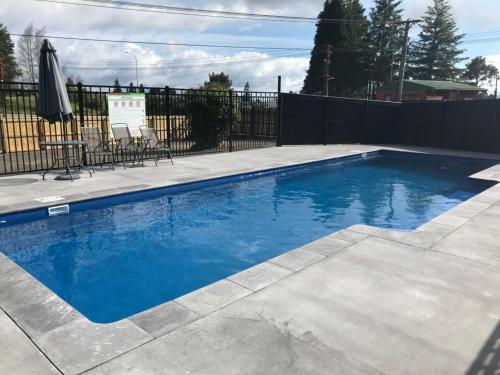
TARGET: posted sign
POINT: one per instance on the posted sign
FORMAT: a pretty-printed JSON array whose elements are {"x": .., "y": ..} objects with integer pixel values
[{"x": 129, "y": 109}]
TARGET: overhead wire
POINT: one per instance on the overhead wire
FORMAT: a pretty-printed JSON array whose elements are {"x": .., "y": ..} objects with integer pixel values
[
  {"x": 165, "y": 9},
  {"x": 204, "y": 45},
  {"x": 180, "y": 66}
]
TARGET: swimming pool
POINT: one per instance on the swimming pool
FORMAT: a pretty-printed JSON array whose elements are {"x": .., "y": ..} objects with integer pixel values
[{"x": 114, "y": 257}]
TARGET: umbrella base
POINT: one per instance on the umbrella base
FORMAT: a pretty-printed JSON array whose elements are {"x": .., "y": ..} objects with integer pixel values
[{"x": 67, "y": 177}]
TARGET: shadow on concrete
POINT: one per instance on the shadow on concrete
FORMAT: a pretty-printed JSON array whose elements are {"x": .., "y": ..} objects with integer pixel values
[
  {"x": 17, "y": 181},
  {"x": 488, "y": 360}
]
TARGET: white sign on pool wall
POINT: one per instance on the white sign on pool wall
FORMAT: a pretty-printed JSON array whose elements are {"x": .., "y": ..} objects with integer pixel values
[{"x": 127, "y": 109}]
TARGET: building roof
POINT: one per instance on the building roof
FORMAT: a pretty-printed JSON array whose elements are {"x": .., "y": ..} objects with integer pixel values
[{"x": 424, "y": 85}]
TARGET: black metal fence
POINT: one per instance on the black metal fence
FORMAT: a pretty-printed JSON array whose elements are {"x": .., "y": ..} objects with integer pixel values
[
  {"x": 463, "y": 125},
  {"x": 193, "y": 121}
]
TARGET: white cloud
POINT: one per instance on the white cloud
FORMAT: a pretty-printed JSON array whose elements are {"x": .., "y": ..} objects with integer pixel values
[{"x": 108, "y": 60}]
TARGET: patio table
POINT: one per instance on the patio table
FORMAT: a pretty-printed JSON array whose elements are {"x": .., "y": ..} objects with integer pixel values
[{"x": 66, "y": 158}]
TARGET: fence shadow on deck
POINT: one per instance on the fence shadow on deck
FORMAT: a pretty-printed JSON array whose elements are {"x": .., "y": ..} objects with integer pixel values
[
  {"x": 17, "y": 181},
  {"x": 488, "y": 360}
]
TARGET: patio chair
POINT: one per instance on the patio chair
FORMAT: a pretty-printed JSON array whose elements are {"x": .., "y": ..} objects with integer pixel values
[
  {"x": 152, "y": 143},
  {"x": 96, "y": 148},
  {"x": 126, "y": 145}
]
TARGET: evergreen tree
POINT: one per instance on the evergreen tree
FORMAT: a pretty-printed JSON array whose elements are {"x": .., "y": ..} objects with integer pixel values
[
  {"x": 116, "y": 86},
  {"x": 385, "y": 39},
  {"x": 246, "y": 95},
  {"x": 141, "y": 88},
  {"x": 10, "y": 69},
  {"x": 436, "y": 53},
  {"x": 477, "y": 71},
  {"x": 348, "y": 42},
  {"x": 131, "y": 87},
  {"x": 70, "y": 83},
  {"x": 218, "y": 81}
]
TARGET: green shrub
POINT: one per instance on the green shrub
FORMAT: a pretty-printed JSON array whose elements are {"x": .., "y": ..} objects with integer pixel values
[{"x": 210, "y": 118}]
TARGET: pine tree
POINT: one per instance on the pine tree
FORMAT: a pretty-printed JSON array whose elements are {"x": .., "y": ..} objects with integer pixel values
[
  {"x": 10, "y": 68},
  {"x": 116, "y": 86},
  {"x": 218, "y": 81},
  {"x": 348, "y": 40},
  {"x": 385, "y": 39},
  {"x": 326, "y": 34},
  {"x": 246, "y": 95},
  {"x": 477, "y": 71},
  {"x": 436, "y": 53},
  {"x": 131, "y": 87}
]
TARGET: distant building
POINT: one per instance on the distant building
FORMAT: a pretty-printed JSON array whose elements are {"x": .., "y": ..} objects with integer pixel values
[{"x": 420, "y": 90}]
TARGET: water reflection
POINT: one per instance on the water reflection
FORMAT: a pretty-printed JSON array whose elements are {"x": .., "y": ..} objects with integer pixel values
[{"x": 112, "y": 262}]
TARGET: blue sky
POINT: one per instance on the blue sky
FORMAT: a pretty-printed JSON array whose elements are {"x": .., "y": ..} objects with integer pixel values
[{"x": 168, "y": 65}]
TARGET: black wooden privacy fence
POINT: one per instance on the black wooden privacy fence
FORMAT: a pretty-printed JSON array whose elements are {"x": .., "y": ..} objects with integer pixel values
[
  {"x": 192, "y": 121},
  {"x": 463, "y": 125}
]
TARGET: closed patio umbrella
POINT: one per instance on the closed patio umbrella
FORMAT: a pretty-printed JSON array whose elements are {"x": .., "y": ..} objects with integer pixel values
[
  {"x": 53, "y": 101},
  {"x": 53, "y": 104}
]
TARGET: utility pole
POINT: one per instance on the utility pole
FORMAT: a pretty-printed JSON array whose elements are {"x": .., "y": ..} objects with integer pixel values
[
  {"x": 328, "y": 61},
  {"x": 408, "y": 24}
]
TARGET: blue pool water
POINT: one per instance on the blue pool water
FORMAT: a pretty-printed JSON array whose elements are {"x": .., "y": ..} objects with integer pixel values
[{"x": 112, "y": 258}]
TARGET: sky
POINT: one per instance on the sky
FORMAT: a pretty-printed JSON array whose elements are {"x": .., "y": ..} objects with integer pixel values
[{"x": 182, "y": 66}]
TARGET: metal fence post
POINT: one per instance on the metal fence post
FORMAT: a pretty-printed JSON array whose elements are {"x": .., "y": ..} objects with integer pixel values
[
  {"x": 81, "y": 116},
  {"x": 364, "y": 138},
  {"x": 443, "y": 124},
  {"x": 167, "y": 112},
  {"x": 324, "y": 120},
  {"x": 278, "y": 115},
  {"x": 231, "y": 120}
]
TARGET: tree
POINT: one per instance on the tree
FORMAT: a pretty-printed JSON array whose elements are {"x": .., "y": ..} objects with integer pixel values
[
  {"x": 385, "y": 39},
  {"x": 477, "y": 70},
  {"x": 246, "y": 96},
  {"x": 131, "y": 87},
  {"x": 218, "y": 81},
  {"x": 10, "y": 68},
  {"x": 28, "y": 48},
  {"x": 141, "y": 88},
  {"x": 70, "y": 83},
  {"x": 116, "y": 86},
  {"x": 209, "y": 112},
  {"x": 435, "y": 54},
  {"x": 348, "y": 40}
]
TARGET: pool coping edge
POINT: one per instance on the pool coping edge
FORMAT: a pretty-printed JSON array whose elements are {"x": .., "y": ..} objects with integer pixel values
[{"x": 492, "y": 195}]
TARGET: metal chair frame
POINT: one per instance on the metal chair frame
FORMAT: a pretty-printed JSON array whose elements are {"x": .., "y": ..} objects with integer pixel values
[
  {"x": 97, "y": 147},
  {"x": 151, "y": 142},
  {"x": 125, "y": 144}
]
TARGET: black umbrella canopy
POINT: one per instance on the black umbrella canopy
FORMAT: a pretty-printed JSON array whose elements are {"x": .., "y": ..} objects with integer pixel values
[{"x": 53, "y": 101}]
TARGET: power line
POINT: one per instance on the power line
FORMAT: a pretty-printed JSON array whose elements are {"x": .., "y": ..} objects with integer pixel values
[
  {"x": 182, "y": 13},
  {"x": 212, "y": 59},
  {"x": 483, "y": 33},
  {"x": 480, "y": 40},
  {"x": 166, "y": 43},
  {"x": 184, "y": 66},
  {"x": 156, "y": 8}
]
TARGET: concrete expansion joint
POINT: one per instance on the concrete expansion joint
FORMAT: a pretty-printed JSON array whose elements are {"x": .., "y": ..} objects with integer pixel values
[{"x": 31, "y": 340}]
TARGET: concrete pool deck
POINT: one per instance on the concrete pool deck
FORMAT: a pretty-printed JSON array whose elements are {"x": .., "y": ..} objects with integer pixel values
[{"x": 360, "y": 301}]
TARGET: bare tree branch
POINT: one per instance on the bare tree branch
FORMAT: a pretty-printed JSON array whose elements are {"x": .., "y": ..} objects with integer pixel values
[{"x": 28, "y": 50}]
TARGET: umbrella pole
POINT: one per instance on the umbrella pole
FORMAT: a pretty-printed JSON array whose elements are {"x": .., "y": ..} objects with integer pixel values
[{"x": 65, "y": 155}]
